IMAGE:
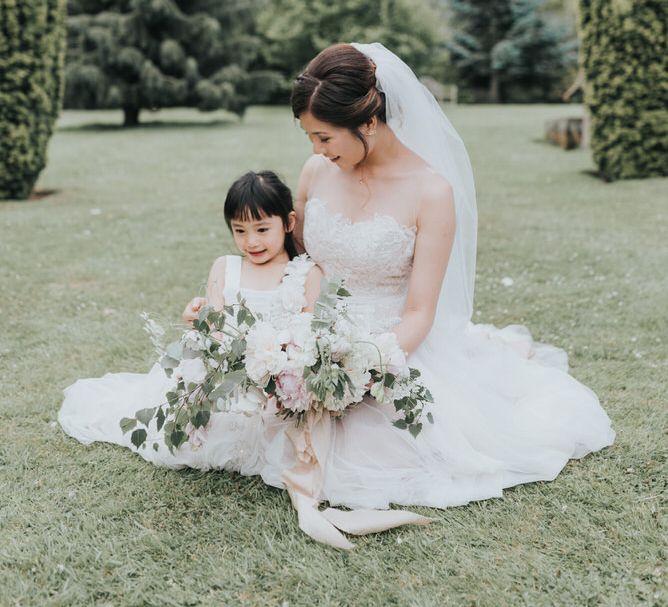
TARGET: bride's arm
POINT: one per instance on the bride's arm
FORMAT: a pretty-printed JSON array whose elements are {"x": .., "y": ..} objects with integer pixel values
[
  {"x": 435, "y": 235},
  {"x": 303, "y": 192},
  {"x": 312, "y": 288}
]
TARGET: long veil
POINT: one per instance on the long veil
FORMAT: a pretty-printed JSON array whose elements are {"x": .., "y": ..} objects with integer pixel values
[{"x": 419, "y": 122}]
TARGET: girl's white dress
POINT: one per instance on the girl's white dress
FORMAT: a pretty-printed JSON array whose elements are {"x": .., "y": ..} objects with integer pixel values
[{"x": 505, "y": 409}]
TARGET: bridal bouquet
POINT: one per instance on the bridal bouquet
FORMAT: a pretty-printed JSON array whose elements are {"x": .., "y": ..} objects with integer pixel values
[{"x": 237, "y": 361}]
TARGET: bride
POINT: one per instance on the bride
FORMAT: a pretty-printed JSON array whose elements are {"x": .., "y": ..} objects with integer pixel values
[{"x": 387, "y": 201}]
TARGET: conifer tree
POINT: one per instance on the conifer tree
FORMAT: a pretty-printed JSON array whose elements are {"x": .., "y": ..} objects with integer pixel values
[
  {"x": 509, "y": 48},
  {"x": 136, "y": 54},
  {"x": 296, "y": 30}
]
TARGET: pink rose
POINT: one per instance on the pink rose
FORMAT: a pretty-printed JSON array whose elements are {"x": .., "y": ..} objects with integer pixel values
[{"x": 291, "y": 391}]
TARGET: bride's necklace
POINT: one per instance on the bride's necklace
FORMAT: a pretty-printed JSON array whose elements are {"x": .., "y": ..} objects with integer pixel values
[{"x": 362, "y": 180}]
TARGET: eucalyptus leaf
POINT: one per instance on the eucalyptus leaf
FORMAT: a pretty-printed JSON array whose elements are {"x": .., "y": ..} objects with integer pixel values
[
  {"x": 204, "y": 312},
  {"x": 175, "y": 350},
  {"x": 201, "y": 419},
  {"x": 177, "y": 438},
  {"x": 145, "y": 415},
  {"x": 160, "y": 418},
  {"x": 127, "y": 424},
  {"x": 229, "y": 384},
  {"x": 138, "y": 437}
]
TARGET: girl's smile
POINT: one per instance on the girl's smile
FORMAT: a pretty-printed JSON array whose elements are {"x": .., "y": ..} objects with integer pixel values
[{"x": 261, "y": 240}]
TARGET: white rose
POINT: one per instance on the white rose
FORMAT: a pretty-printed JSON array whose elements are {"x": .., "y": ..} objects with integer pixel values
[
  {"x": 292, "y": 294},
  {"x": 340, "y": 346},
  {"x": 394, "y": 358},
  {"x": 195, "y": 340},
  {"x": 264, "y": 353},
  {"x": 301, "y": 345},
  {"x": 191, "y": 371}
]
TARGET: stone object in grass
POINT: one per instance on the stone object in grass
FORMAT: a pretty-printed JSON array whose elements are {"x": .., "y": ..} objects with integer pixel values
[{"x": 564, "y": 132}]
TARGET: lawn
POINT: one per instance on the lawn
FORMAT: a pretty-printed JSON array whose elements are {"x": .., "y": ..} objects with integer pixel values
[{"x": 133, "y": 225}]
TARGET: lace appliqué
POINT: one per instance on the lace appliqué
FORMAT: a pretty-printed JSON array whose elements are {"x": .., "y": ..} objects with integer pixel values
[{"x": 374, "y": 257}]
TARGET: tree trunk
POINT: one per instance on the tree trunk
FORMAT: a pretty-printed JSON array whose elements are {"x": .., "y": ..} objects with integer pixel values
[
  {"x": 130, "y": 116},
  {"x": 494, "y": 88}
]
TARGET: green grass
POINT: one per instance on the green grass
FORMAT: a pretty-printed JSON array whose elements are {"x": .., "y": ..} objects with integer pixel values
[{"x": 135, "y": 224}]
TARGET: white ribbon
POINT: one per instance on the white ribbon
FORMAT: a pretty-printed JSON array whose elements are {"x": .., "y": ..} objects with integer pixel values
[{"x": 304, "y": 482}]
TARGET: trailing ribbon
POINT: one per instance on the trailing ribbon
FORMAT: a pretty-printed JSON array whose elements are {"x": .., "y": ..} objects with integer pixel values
[{"x": 304, "y": 482}]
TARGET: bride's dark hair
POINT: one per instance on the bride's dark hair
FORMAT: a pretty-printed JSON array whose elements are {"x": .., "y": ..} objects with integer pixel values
[
  {"x": 262, "y": 194},
  {"x": 338, "y": 86}
]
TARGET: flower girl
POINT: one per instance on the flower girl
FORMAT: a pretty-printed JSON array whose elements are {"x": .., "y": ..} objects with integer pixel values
[{"x": 273, "y": 281}]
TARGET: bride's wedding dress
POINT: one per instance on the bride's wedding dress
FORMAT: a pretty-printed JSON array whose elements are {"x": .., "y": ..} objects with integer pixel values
[{"x": 505, "y": 409}]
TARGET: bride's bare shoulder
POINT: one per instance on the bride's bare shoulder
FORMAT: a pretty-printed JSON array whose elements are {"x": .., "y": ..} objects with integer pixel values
[
  {"x": 436, "y": 196},
  {"x": 312, "y": 168}
]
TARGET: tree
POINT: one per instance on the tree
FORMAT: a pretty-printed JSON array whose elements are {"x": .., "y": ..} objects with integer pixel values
[
  {"x": 297, "y": 30},
  {"x": 624, "y": 58},
  {"x": 136, "y": 54},
  {"x": 32, "y": 45},
  {"x": 510, "y": 49}
]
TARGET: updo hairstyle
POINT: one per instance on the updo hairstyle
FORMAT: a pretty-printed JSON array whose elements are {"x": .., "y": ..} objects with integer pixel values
[{"x": 338, "y": 86}]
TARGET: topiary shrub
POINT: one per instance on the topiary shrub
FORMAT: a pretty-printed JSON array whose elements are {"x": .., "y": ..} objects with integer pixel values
[
  {"x": 32, "y": 54},
  {"x": 624, "y": 56}
]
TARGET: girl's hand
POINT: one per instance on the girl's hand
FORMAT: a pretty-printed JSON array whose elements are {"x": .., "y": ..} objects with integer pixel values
[{"x": 192, "y": 309}]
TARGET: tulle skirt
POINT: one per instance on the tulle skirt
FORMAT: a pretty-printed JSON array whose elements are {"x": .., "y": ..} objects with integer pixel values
[{"x": 505, "y": 412}]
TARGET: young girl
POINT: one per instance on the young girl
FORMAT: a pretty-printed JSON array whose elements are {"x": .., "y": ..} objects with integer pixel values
[{"x": 258, "y": 210}]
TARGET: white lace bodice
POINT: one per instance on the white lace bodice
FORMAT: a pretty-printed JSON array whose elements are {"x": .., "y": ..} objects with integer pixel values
[{"x": 374, "y": 257}]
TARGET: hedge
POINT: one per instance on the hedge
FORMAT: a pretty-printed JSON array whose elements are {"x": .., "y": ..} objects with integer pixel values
[
  {"x": 32, "y": 54},
  {"x": 626, "y": 65}
]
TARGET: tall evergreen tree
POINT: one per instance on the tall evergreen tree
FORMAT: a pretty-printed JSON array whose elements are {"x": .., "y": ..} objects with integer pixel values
[
  {"x": 32, "y": 52},
  {"x": 296, "y": 30},
  {"x": 135, "y": 54},
  {"x": 509, "y": 48}
]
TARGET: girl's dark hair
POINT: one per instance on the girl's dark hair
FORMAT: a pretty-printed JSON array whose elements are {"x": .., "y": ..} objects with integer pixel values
[
  {"x": 338, "y": 86},
  {"x": 262, "y": 194}
]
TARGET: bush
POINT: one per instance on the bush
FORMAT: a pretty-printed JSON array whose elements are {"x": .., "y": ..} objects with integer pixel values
[
  {"x": 624, "y": 57},
  {"x": 32, "y": 52}
]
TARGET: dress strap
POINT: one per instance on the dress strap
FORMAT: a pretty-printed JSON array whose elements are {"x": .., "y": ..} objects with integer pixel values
[{"x": 232, "y": 278}]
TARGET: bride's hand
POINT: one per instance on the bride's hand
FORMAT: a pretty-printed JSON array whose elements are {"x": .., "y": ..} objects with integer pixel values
[{"x": 192, "y": 309}]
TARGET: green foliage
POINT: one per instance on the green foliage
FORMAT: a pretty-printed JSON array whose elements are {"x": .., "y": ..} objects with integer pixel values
[
  {"x": 135, "y": 54},
  {"x": 624, "y": 56},
  {"x": 510, "y": 50},
  {"x": 297, "y": 30},
  {"x": 32, "y": 44}
]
